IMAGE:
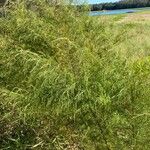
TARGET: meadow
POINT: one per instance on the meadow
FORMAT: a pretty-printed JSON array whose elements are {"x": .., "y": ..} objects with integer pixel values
[{"x": 69, "y": 81}]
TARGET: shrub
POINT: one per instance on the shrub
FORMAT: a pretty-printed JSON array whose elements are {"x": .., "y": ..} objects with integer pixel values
[{"x": 69, "y": 88}]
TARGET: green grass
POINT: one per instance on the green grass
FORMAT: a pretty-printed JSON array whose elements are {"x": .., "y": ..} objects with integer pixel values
[{"x": 74, "y": 82}]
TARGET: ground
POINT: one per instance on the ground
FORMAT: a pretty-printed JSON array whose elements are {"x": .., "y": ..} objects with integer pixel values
[{"x": 136, "y": 18}]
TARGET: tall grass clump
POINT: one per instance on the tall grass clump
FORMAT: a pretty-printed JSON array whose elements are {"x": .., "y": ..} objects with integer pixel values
[{"x": 63, "y": 86}]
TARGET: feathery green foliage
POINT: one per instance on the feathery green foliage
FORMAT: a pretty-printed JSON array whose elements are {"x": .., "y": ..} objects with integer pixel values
[{"x": 65, "y": 85}]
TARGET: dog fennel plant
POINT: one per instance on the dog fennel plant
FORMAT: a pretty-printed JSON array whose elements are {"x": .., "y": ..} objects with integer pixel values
[{"x": 65, "y": 85}]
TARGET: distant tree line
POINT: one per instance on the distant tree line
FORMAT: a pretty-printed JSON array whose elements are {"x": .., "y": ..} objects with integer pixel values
[{"x": 122, "y": 4}]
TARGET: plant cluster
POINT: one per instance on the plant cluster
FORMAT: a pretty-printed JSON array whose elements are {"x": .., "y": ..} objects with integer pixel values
[{"x": 63, "y": 86}]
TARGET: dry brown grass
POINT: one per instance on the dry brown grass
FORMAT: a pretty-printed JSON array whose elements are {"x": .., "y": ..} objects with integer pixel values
[{"x": 136, "y": 18}]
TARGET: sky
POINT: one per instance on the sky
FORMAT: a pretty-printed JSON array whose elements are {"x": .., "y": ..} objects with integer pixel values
[{"x": 100, "y": 1}]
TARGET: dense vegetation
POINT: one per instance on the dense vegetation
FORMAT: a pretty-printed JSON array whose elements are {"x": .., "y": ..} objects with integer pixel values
[
  {"x": 122, "y": 4},
  {"x": 69, "y": 81}
]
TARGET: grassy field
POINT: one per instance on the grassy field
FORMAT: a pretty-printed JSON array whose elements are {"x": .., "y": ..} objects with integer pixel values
[{"x": 73, "y": 82}]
